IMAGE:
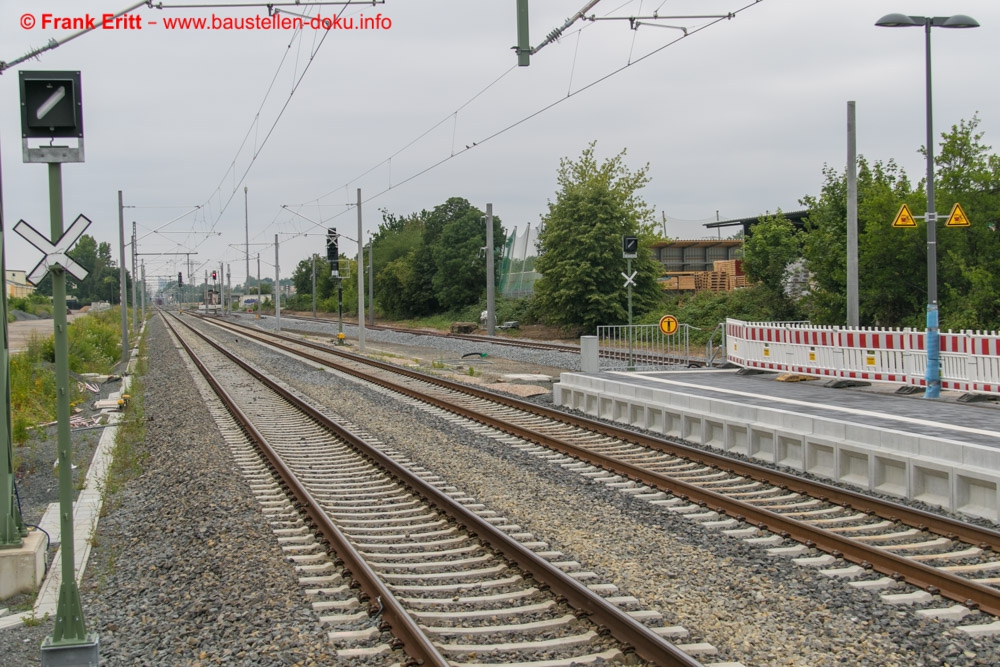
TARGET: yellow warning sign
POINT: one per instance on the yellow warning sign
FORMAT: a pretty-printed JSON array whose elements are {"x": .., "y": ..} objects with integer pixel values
[
  {"x": 668, "y": 324},
  {"x": 957, "y": 217},
  {"x": 904, "y": 218}
]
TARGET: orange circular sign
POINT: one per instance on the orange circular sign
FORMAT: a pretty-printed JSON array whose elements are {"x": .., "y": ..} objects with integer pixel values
[{"x": 668, "y": 324}]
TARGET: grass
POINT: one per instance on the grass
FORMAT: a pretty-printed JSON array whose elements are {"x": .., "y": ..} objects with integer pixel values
[
  {"x": 31, "y": 620},
  {"x": 94, "y": 344}
]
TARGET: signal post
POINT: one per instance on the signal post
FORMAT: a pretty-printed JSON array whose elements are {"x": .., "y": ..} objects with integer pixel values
[{"x": 52, "y": 107}]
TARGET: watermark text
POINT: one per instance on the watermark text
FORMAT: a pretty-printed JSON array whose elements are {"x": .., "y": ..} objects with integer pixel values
[{"x": 47, "y": 21}]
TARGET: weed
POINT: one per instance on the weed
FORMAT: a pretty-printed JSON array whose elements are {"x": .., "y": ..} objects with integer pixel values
[
  {"x": 31, "y": 620},
  {"x": 129, "y": 457},
  {"x": 472, "y": 372}
]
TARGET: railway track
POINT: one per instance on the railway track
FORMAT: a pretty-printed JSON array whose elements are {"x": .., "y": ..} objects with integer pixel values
[
  {"x": 448, "y": 578},
  {"x": 496, "y": 340},
  {"x": 872, "y": 543},
  {"x": 638, "y": 357}
]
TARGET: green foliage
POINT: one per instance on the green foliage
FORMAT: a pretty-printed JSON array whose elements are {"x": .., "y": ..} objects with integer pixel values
[
  {"x": 969, "y": 258},
  {"x": 773, "y": 245},
  {"x": 892, "y": 262},
  {"x": 430, "y": 261},
  {"x": 32, "y": 388},
  {"x": 705, "y": 310},
  {"x": 581, "y": 244},
  {"x": 103, "y": 276},
  {"x": 94, "y": 347},
  {"x": 302, "y": 279},
  {"x": 94, "y": 342}
]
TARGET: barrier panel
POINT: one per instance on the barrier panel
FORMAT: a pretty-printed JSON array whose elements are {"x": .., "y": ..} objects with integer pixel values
[{"x": 970, "y": 361}]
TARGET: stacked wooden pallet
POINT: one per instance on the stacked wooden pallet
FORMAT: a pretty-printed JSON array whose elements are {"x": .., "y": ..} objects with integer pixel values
[
  {"x": 714, "y": 281},
  {"x": 726, "y": 275}
]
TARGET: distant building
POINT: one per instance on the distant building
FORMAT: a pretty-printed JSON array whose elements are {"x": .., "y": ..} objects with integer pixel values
[{"x": 18, "y": 286}]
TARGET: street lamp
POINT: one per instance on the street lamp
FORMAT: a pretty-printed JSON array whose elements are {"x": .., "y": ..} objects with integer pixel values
[{"x": 932, "y": 376}]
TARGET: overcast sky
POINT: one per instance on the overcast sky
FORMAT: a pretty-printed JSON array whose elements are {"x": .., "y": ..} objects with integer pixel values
[{"x": 737, "y": 118}]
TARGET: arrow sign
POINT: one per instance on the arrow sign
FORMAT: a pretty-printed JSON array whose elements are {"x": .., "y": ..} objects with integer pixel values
[
  {"x": 629, "y": 280},
  {"x": 55, "y": 254}
]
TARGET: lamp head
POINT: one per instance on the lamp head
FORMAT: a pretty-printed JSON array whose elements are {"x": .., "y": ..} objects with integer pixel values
[
  {"x": 960, "y": 21},
  {"x": 898, "y": 21}
]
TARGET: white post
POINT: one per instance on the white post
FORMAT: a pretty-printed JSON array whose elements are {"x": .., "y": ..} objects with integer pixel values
[
  {"x": 361, "y": 284},
  {"x": 277, "y": 287}
]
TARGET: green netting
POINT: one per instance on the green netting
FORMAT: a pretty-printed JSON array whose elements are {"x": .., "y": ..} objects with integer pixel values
[{"x": 517, "y": 271}]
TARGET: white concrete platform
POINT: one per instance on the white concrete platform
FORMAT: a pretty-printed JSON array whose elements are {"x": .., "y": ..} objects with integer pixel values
[{"x": 940, "y": 452}]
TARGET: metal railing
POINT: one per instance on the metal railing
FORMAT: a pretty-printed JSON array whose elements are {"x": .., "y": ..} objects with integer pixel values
[{"x": 642, "y": 347}]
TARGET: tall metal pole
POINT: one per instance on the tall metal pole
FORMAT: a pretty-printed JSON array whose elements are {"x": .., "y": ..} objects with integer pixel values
[
  {"x": 246, "y": 223},
  {"x": 628, "y": 270},
  {"x": 853, "y": 310},
  {"x": 70, "y": 627},
  {"x": 314, "y": 285},
  {"x": 932, "y": 377},
  {"x": 142, "y": 292},
  {"x": 229, "y": 290},
  {"x": 277, "y": 287},
  {"x": 259, "y": 304},
  {"x": 12, "y": 528},
  {"x": 491, "y": 318},
  {"x": 361, "y": 284},
  {"x": 371, "y": 282},
  {"x": 135, "y": 323},
  {"x": 122, "y": 301}
]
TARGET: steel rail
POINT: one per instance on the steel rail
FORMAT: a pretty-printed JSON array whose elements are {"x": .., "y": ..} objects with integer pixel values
[
  {"x": 923, "y": 576},
  {"x": 646, "y": 643},
  {"x": 639, "y": 355},
  {"x": 416, "y": 644}
]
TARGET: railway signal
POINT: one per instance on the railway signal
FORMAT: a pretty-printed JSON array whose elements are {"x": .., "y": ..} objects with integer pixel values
[
  {"x": 51, "y": 108},
  {"x": 630, "y": 247},
  {"x": 332, "y": 251},
  {"x": 180, "y": 279}
]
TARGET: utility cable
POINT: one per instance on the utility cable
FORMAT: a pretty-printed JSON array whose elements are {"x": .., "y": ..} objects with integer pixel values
[{"x": 545, "y": 108}]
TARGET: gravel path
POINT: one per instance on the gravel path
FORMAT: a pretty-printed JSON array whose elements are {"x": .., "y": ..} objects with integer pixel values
[{"x": 185, "y": 570}]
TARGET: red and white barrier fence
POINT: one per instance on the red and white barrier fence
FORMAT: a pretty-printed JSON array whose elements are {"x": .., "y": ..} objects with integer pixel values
[{"x": 970, "y": 361}]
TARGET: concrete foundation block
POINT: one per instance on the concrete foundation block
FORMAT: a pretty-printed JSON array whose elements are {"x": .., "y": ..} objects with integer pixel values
[{"x": 22, "y": 569}]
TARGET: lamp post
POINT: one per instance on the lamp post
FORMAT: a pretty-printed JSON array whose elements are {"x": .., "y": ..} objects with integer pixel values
[{"x": 932, "y": 376}]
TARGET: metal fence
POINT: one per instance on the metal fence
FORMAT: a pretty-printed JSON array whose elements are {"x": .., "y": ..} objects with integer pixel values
[{"x": 642, "y": 347}]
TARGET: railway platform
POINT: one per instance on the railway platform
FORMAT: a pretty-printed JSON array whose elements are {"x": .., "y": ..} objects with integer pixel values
[{"x": 942, "y": 452}]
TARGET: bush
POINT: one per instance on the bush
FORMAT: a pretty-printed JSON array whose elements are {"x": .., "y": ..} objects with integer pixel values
[{"x": 94, "y": 347}]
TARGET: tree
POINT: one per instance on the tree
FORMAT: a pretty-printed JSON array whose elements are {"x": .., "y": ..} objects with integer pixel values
[
  {"x": 459, "y": 253},
  {"x": 892, "y": 263},
  {"x": 969, "y": 257},
  {"x": 430, "y": 262},
  {"x": 580, "y": 244},
  {"x": 302, "y": 278},
  {"x": 102, "y": 271},
  {"x": 394, "y": 247},
  {"x": 891, "y": 279},
  {"x": 773, "y": 245}
]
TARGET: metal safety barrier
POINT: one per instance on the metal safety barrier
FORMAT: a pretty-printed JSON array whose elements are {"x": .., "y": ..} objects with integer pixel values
[
  {"x": 642, "y": 347},
  {"x": 970, "y": 360}
]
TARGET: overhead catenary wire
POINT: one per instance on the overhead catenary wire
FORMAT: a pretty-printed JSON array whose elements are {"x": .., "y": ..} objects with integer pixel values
[{"x": 716, "y": 19}]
